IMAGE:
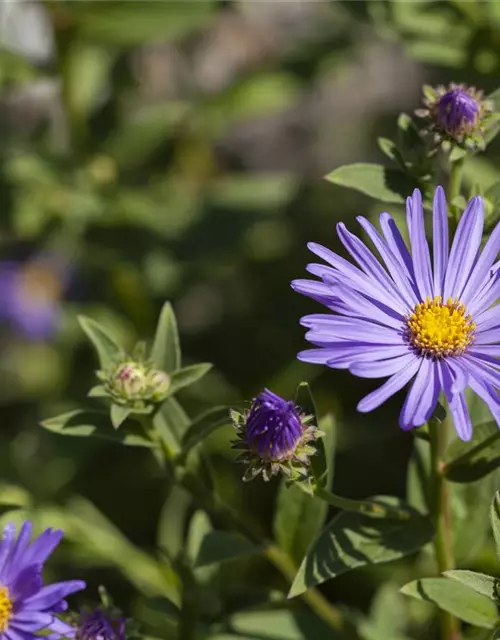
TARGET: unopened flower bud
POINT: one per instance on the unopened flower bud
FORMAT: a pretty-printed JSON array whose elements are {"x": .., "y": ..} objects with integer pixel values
[
  {"x": 158, "y": 384},
  {"x": 129, "y": 381}
]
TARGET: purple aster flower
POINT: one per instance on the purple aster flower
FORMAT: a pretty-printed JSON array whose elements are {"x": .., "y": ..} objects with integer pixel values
[
  {"x": 407, "y": 317},
  {"x": 275, "y": 436},
  {"x": 456, "y": 113},
  {"x": 30, "y": 296},
  {"x": 99, "y": 625},
  {"x": 26, "y": 605}
]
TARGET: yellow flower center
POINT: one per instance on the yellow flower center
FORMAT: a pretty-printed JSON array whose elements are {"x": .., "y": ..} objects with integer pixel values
[
  {"x": 440, "y": 329},
  {"x": 6, "y": 608}
]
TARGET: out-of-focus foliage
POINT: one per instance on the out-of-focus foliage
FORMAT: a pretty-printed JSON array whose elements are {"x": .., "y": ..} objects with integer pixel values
[{"x": 174, "y": 150}]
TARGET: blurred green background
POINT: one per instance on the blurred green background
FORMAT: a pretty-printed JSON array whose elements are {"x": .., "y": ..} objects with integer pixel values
[{"x": 175, "y": 150}]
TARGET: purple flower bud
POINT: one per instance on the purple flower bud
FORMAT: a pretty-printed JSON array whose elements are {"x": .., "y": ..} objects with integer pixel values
[
  {"x": 273, "y": 427},
  {"x": 100, "y": 625},
  {"x": 458, "y": 112}
]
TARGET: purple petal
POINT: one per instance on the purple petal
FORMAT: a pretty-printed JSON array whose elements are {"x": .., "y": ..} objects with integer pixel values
[
  {"x": 41, "y": 548},
  {"x": 440, "y": 235},
  {"x": 50, "y": 595},
  {"x": 422, "y": 397},
  {"x": 15, "y": 562},
  {"x": 464, "y": 249},
  {"x": 483, "y": 266},
  {"x": 397, "y": 245},
  {"x": 382, "y": 368},
  {"x": 488, "y": 394},
  {"x": 389, "y": 388},
  {"x": 461, "y": 417},
  {"x": 419, "y": 246}
]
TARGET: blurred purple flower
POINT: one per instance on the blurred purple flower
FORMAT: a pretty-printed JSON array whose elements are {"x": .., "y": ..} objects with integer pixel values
[
  {"x": 26, "y": 605},
  {"x": 30, "y": 295},
  {"x": 99, "y": 625}
]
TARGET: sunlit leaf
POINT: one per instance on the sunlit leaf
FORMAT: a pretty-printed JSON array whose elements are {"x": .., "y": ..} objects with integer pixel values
[
  {"x": 118, "y": 414},
  {"x": 469, "y": 461},
  {"x": 374, "y": 180},
  {"x": 107, "y": 349},
  {"x": 188, "y": 376},
  {"x": 478, "y": 581},
  {"x": 166, "y": 352}
]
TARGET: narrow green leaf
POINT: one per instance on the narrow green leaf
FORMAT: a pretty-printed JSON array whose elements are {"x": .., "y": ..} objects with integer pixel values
[
  {"x": 480, "y": 582},
  {"x": 82, "y": 424},
  {"x": 418, "y": 477},
  {"x": 222, "y": 546},
  {"x": 107, "y": 349},
  {"x": 188, "y": 376},
  {"x": 98, "y": 391},
  {"x": 374, "y": 180},
  {"x": 352, "y": 540},
  {"x": 171, "y": 423},
  {"x": 203, "y": 425},
  {"x": 304, "y": 399},
  {"x": 495, "y": 521},
  {"x": 166, "y": 351},
  {"x": 118, "y": 414},
  {"x": 456, "y": 598},
  {"x": 470, "y": 461}
]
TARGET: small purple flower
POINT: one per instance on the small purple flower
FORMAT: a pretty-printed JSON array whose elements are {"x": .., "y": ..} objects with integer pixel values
[
  {"x": 456, "y": 114},
  {"x": 458, "y": 111},
  {"x": 404, "y": 317},
  {"x": 275, "y": 436},
  {"x": 30, "y": 294},
  {"x": 100, "y": 625},
  {"x": 26, "y": 605}
]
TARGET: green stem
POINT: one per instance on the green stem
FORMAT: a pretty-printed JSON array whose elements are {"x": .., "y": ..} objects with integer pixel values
[
  {"x": 366, "y": 507},
  {"x": 440, "y": 509},
  {"x": 219, "y": 510},
  {"x": 455, "y": 184}
]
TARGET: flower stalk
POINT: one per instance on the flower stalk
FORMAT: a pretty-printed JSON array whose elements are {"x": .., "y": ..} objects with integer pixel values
[
  {"x": 440, "y": 511},
  {"x": 366, "y": 507},
  {"x": 456, "y": 174}
]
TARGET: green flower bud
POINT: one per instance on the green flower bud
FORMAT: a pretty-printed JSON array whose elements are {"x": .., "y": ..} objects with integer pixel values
[{"x": 158, "y": 384}]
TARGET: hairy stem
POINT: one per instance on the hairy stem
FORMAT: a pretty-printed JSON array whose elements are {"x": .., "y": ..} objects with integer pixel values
[
  {"x": 456, "y": 173},
  {"x": 443, "y": 544}
]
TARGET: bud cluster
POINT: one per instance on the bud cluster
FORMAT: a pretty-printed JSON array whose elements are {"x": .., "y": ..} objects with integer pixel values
[{"x": 135, "y": 383}]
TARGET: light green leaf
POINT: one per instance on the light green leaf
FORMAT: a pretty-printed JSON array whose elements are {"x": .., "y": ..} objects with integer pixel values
[
  {"x": 107, "y": 349},
  {"x": 82, "y": 424},
  {"x": 470, "y": 461},
  {"x": 418, "y": 476},
  {"x": 171, "y": 422},
  {"x": 480, "y": 582},
  {"x": 166, "y": 351},
  {"x": 456, "y": 598},
  {"x": 299, "y": 517},
  {"x": 495, "y": 521},
  {"x": 284, "y": 624},
  {"x": 202, "y": 426},
  {"x": 188, "y": 376},
  {"x": 98, "y": 391},
  {"x": 374, "y": 180},
  {"x": 223, "y": 546},
  {"x": 352, "y": 540},
  {"x": 118, "y": 414}
]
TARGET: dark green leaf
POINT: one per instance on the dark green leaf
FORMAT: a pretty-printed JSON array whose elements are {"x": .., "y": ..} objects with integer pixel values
[
  {"x": 470, "y": 461},
  {"x": 352, "y": 540},
  {"x": 188, "y": 376},
  {"x": 107, "y": 349},
  {"x": 480, "y": 582},
  {"x": 304, "y": 400},
  {"x": 202, "y": 426},
  {"x": 166, "y": 352},
  {"x": 118, "y": 414},
  {"x": 81, "y": 424},
  {"x": 418, "y": 477},
  {"x": 222, "y": 546},
  {"x": 382, "y": 183},
  {"x": 456, "y": 598},
  {"x": 495, "y": 521}
]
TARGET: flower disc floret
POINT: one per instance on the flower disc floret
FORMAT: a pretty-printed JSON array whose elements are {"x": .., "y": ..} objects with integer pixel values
[
  {"x": 427, "y": 319},
  {"x": 6, "y": 608},
  {"x": 275, "y": 437},
  {"x": 438, "y": 329}
]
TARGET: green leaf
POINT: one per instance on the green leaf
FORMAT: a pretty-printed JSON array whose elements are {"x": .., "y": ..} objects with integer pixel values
[
  {"x": 107, "y": 350},
  {"x": 202, "y": 426},
  {"x": 480, "y": 582},
  {"x": 171, "y": 423},
  {"x": 281, "y": 624},
  {"x": 470, "y": 461},
  {"x": 495, "y": 521},
  {"x": 223, "y": 546},
  {"x": 118, "y": 414},
  {"x": 304, "y": 400},
  {"x": 166, "y": 351},
  {"x": 418, "y": 477},
  {"x": 299, "y": 516},
  {"x": 389, "y": 615},
  {"x": 136, "y": 23},
  {"x": 98, "y": 391},
  {"x": 188, "y": 376},
  {"x": 352, "y": 540},
  {"x": 374, "y": 180},
  {"x": 82, "y": 424},
  {"x": 456, "y": 598}
]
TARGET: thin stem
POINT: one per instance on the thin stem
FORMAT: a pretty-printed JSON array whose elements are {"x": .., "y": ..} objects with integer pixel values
[
  {"x": 455, "y": 184},
  {"x": 366, "y": 507},
  {"x": 443, "y": 549}
]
